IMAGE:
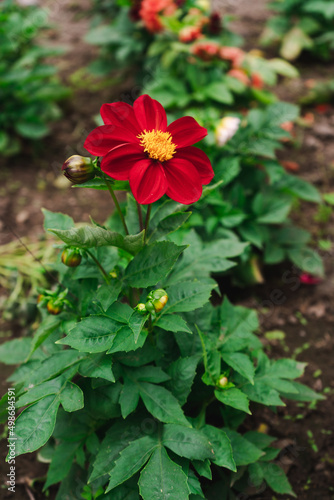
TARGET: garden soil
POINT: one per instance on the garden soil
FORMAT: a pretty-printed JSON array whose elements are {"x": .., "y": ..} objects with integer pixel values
[{"x": 301, "y": 317}]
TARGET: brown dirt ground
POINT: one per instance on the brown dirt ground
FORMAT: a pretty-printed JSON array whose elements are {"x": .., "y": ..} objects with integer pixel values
[{"x": 305, "y": 314}]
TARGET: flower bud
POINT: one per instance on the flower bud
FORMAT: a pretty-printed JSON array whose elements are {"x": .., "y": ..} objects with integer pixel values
[
  {"x": 114, "y": 275},
  {"x": 141, "y": 308},
  {"x": 156, "y": 300},
  {"x": 223, "y": 381},
  {"x": 71, "y": 257},
  {"x": 40, "y": 298},
  {"x": 54, "y": 307},
  {"x": 78, "y": 169}
]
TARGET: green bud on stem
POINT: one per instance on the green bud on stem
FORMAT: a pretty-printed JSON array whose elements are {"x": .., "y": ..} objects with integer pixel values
[
  {"x": 78, "y": 169},
  {"x": 71, "y": 257}
]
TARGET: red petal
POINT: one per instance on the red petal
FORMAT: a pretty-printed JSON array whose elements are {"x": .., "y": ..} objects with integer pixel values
[
  {"x": 200, "y": 161},
  {"x": 119, "y": 161},
  {"x": 102, "y": 139},
  {"x": 150, "y": 114},
  {"x": 120, "y": 114},
  {"x": 184, "y": 182},
  {"x": 147, "y": 181},
  {"x": 186, "y": 131}
]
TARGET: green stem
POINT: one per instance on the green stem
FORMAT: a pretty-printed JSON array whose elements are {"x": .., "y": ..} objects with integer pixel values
[
  {"x": 115, "y": 200},
  {"x": 103, "y": 271},
  {"x": 147, "y": 220},
  {"x": 140, "y": 216},
  {"x": 201, "y": 418}
]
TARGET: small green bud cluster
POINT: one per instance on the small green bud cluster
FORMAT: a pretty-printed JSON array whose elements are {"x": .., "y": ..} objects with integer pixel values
[
  {"x": 54, "y": 301},
  {"x": 155, "y": 302}
]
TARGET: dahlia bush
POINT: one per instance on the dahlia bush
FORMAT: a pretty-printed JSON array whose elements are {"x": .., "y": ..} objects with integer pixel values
[
  {"x": 134, "y": 385},
  {"x": 301, "y": 25},
  {"x": 29, "y": 87}
]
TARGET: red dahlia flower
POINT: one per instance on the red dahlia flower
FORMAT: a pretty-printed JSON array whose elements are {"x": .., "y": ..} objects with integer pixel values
[{"x": 137, "y": 145}]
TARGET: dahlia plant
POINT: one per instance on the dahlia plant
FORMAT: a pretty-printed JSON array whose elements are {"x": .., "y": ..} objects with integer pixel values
[
  {"x": 134, "y": 385},
  {"x": 171, "y": 44},
  {"x": 301, "y": 25},
  {"x": 257, "y": 194},
  {"x": 29, "y": 86}
]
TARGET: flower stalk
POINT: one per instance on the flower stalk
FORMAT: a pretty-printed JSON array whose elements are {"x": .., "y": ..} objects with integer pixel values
[{"x": 117, "y": 205}]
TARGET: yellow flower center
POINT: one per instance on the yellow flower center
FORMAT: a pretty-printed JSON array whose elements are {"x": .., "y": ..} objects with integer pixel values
[{"x": 158, "y": 145}]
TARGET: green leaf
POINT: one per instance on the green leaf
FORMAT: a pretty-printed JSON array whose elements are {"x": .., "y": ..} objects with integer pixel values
[
  {"x": 169, "y": 224},
  {"x": 152, "y": 264},
  {"x": 102, "y": 401},
  {"x": 162, "y": 479},
  {"x": 304, "y": 393},
  {"x": 61, "y": 463},
  {"x": 93, "y": 236},
  {"x": 31, "y": 130},
  {"x": 187, "y": 442},
  {"x": 281, "y": 112},
  {"x": 262, "y": 393},
  {"x": 136, "y": 323},
  {"x": 235, "y": 398},
  {"x": 40, "y": 391},
  {"x": 241, "y": 363},
  {"x": 301, "y": 188},
  {"x": 129, "y": 398},
  {"x": 276, "y": 479},
  {"x": 259, "y": 439},
  {"x": 172, "y": 323},
  {"x": 219, "y": 92},
  {"x": 162, "y": 404},
  {"x": 221, "y": 446},
  {"x": 57, "y": 220},
  {"x": 48, "y": 325},
  {"x": 184, "y": 297},
  {"x": 283, "y": 68},
  {"x": 271, "y": 209},
  {"x": 117, "y": 439},
  {"x": 15, "y": 351},
  {"x": 93, "y": 334},
  {"x": 54, "y": 365},
  {"x": 182, "y": 372},
  {"x": 307, "y": 259},
  {"x": 287, "y": 368},
  {"x": 203, "y": 468},
  {"x": 150, "y": 373},
  {"x": 97, "y": 366},
  {"x": 72, "y": 398},
  {"x": 202, "y": 258},
  {"x": 244, "y": 452},
  {"x": 107, "y": 294},
  {"x": 294, "y": 42},
  {"x": 35, "y": 425},
  {"x": 329, "y": 198},
  {"x": 131, "y": 460},
  {"x": 125, "y": 341}
]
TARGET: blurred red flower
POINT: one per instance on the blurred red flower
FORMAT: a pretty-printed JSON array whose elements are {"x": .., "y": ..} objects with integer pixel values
[
  {"x": 137, "y": 145},
  {"x": 309, "y": 279},
  {"x": 150, "y": 11}
]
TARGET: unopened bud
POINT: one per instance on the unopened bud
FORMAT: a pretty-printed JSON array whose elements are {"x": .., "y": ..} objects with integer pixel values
[
  {"x": 141, "y": 308},
  {"x": 156, "y": 300},
  {"x": 71, "y": 257},
  {"x": 78, "y": 169},
  {"x": 223, "y": 381},
  {"x": 113, "y": 274},
  {"x": 54, "y": 308},
  {"x": 40, "y": 298}
]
